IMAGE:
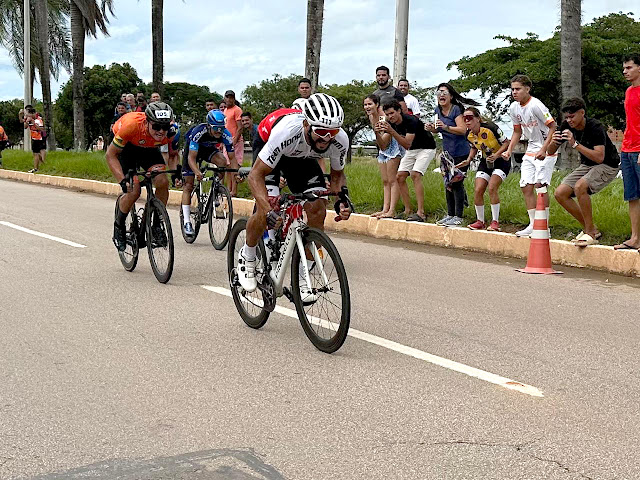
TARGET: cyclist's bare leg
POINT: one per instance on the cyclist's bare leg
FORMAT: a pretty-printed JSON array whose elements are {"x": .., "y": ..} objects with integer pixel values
[
  {"x": 187, "y": 188},
  {"x": 128, "y": 199},
  {"x": 161, "y": 182},
  {"x": 316, "y": 213}
]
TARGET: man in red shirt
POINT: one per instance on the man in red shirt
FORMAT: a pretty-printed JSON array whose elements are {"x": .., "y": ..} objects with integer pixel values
[{"x": 629, "y": 158}]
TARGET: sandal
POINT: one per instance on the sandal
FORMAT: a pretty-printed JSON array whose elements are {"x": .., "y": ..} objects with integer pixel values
[
  {"x": 585, "y": 240},
  {"x": 414, "y": 217},
  {"x": 400, "y": 216},
  {"x": 624, "y": 246}
]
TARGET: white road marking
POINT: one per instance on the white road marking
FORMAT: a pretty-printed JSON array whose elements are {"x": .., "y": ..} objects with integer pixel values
[
  {"x": 412, "y": 352},
  {"x": 43, "y": 235}
]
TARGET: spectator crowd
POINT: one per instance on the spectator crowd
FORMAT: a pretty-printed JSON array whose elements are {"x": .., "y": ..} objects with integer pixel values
[{"x": 404, "y": 134}]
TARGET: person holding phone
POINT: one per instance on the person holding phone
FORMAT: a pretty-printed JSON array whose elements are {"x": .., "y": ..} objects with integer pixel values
[
  {"x": 33, "y": 121},
  {"x": 389, "y": 156}
]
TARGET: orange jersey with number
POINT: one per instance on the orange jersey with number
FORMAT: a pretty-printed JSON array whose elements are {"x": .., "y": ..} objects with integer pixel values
[{"x": 132, "y": 128}]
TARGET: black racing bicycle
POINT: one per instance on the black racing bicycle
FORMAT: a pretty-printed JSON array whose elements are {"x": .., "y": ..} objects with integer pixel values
[
  {"x": 148, "y": 226},
  {"x": 211, "y": 203}
]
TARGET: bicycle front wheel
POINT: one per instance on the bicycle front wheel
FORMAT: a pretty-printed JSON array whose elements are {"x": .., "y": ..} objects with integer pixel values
[
  {"x": 250, "y": 305},
  {"x": 194, "y": 218},
  {"x": 220, "y": 217},
  {"x": 324, "y": 305},
  {"x": 129, "y": 257},
  {"x": 159, "y": 240}
]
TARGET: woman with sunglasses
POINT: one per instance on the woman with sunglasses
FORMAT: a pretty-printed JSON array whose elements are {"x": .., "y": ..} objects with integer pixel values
[
  {"x": 136, "y": 142},
  {"x": 487, "y": 138},
  {"x": 448, "y": 122},
  {"x": 388, "y": 158}
]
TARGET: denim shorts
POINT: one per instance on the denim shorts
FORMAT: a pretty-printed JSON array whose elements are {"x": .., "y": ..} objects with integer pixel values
[
  {"x": 630, "y": 175},
  {"x": 394, "y": 150}
]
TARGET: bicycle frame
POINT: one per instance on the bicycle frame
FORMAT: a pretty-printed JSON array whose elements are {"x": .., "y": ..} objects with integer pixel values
[{"x": 293, "y": 228}]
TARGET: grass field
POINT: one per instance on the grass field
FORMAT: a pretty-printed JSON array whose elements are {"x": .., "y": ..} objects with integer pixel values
[{"x": 610, "y": 211}]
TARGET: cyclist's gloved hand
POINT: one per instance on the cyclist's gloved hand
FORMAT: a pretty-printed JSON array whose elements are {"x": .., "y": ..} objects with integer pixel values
[
  {"x": 274, "y": 220},
  {"x": 123, "y": 185},
  {"x": 343, "y": 206}
]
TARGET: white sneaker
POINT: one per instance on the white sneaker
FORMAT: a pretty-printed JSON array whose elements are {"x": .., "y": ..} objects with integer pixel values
[
  {"x": 247, "y": 272},
  {"x": 443, "y": 221},
  {"x": 525, "y": 232}
]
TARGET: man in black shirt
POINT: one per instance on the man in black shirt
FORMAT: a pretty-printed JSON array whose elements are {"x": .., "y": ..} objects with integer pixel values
[
  {"x": 599, "y": 163},
  {"x": 420, "y": 147},
  {"x": 386, "y": 91}
]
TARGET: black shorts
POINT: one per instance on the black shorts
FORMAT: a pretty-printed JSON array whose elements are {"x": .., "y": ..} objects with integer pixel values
[
  {"x": 133, "y": 157},
  {"x": 500, "y": 167},
  {"x": 3, "y": 144},
  {"x": 38, "y": 145},
  {"x": 301, "y": 174}
]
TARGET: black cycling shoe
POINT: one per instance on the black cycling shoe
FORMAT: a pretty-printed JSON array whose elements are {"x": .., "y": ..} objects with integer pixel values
[
  {"x": 159, "y": 239},
  {"x": 119, "y": 237}
]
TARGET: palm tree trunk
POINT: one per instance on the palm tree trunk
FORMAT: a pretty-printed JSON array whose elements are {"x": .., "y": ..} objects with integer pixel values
[
  {"x": 77, "y": 40},
  {"x": 570, "y": 64},
  {"x": 315, "y": 15},
  {"x": 42, "y": 27},
  {"x": 570, "y": 48},
  {"x": 157, "y": 40}
]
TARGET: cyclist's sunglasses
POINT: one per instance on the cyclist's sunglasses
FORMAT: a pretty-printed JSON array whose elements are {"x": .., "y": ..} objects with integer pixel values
[
  {"x": 325, "y": 134},
  {"x": 158, "y": 127},
  {"x": 216, "y": 129}
]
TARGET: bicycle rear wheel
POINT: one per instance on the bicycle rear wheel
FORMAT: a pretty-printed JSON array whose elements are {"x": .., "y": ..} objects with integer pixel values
[
  {"x": 250, "y": 305},
  {"x": 129, "y": 257},
  {"x": 220, "y": 217},
  {"x": 195, "y": 218},
  {"x": 159, "y": 240},
  {"x": 325, "y": 319}
]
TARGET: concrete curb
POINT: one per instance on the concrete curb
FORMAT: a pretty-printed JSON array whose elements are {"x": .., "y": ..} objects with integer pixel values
[{"x": 597, "y": 257}]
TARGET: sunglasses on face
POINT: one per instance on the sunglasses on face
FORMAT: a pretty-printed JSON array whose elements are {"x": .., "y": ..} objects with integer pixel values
[
  {"x": 325, "y": 133},
  {"x": 160, "y": 127},
  {"x": 468, "y": 118},
  {"x": 216, "y": 129},
  {"x": 442, "y": 93}
]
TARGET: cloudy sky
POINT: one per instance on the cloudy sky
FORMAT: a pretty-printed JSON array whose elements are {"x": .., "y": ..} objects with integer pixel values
[{"x": 232, "y": 45}]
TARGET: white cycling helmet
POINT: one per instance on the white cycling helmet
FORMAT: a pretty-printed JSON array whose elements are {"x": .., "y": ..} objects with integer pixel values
[
  {"x": 299, "y": 103},
  {"x": 322, "y": 110}
]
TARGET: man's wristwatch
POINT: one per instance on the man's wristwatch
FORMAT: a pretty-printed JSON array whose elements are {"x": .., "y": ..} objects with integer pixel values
[{"x": 575, "y": 144}]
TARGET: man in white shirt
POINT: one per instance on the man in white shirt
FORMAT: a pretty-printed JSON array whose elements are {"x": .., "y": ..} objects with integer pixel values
[
  {"x": 531, "y": 118},
  {"x": 412, "y": 102}
]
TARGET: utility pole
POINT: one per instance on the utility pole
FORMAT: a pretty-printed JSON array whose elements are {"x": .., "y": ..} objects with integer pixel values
[
  {"x": 402, "y": 36},
  {"x": 315, "y": 18},
  {"x": 27, "y": 68}
]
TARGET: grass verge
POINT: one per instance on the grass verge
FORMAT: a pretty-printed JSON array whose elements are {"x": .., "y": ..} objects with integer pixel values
[{"x": 609, "y": 210}]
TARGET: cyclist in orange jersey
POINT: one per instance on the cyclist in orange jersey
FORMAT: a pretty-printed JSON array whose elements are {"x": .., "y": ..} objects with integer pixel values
[{"x": 136, "y": 142}]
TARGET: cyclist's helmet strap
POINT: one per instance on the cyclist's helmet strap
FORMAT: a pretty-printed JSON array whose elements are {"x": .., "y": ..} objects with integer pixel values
[
  {"x": 323, "y": 110},
  {"x": 215, "y": 118},
  {"x": 159, "y": 112}
]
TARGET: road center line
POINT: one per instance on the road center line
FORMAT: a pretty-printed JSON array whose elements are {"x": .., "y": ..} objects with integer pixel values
[
  {"x": 413, "y": 352},
  {"x": 43, "y": 235}
]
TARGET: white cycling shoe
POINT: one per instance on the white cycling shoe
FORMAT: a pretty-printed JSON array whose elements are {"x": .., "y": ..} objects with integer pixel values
[{"x": 247, "y": 273}]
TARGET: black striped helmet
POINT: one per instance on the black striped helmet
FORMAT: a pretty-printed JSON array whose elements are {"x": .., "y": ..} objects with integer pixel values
[{"x": 323, "y": 110}]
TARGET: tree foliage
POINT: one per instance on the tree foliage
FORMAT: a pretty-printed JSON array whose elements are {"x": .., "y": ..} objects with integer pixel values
[
  {"x": 9, "y": 119},
  {"x": 604, "y": 41},
  {"x": 102, "y": 88},
  {"x": 269, "y": 94}
]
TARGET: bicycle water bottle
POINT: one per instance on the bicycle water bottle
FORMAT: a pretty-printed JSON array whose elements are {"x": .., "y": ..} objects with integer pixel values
[{"x": 268, "y": 238}]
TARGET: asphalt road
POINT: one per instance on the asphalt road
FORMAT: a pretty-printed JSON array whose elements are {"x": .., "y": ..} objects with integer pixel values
[{"x": 108, "y": 374}]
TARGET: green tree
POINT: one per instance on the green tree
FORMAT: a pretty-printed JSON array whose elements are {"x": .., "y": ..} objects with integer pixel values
[
  {"x": 102, "y": 88},
  {"x": 269, "y": 94},
  {"x": 604, "y": 41},
  {"x": 9, "y": 119},
  {"x": 187, "y": 101}
]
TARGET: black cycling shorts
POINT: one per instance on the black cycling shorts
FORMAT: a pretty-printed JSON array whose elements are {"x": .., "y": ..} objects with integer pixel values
[
  {"x": 301, "y": 174},
  {"x": 133, "y": 157}
]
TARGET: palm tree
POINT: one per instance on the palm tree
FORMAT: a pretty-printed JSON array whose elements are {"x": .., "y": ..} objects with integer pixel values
[
  {"x": 86, "y": 19},
  {"x": 157, "y": 39},
  {"x": 49, "y": 53},
  {"x": 571, "y": 48},
  {"x": 315, "y": 15}
]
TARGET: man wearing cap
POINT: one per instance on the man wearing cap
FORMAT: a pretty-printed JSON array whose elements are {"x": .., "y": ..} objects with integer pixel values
[{"x": 233, "y": 123}]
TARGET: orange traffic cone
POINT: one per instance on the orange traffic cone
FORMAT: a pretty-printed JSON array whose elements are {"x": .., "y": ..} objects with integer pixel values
[{"x": 539, "y": 260}]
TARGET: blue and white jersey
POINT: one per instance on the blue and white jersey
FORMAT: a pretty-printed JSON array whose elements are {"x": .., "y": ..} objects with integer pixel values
[{"x": 201, "y": 141}]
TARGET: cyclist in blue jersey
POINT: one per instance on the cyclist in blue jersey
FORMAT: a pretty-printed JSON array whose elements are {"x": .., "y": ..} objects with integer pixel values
[{"x": 203, "y": 143}]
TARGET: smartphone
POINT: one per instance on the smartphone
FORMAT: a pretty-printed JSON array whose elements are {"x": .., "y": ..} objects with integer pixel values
[{"x": 382, "y": 118}]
